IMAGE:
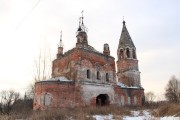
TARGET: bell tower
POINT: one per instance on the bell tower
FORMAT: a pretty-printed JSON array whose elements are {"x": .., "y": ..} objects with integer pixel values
[{"x": 127, "y": 63}]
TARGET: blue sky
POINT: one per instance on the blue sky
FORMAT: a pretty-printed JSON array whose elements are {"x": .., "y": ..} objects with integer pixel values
[{"x": 27, "y": 26}]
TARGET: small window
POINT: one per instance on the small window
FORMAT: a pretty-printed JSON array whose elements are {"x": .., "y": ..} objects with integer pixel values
[
  {"x": 107, "y": 77},
  {"x": 98, "y": 75},
  {"x": 121, "y": 54},
  {"x": 88, "y": 74},
  {"x": 127, "y": 53}
]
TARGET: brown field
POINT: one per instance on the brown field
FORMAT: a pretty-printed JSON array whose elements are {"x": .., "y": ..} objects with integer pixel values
[
  {"x": 86, "y": 113},
  {"x": 168, "y": 110}
]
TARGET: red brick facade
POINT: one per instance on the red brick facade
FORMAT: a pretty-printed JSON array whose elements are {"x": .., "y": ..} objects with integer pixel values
[
  {"x": 83, "y": 76},
  {"x": 61, "y": 94}
]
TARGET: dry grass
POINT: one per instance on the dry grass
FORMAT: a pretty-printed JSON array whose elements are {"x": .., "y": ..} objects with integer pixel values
[
  {"x": 83, "y": 113},
  {"x": 86, "y": 113},
  {"x": 168, "y": 110}
]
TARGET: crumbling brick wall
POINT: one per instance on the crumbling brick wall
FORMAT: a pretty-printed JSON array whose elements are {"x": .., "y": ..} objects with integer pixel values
[
  {"x": 62, "y": 94},
  {"x": 128, "y": 72},
  {"x": 77, "y": 61},
  {"x": 131, "y": 96}
]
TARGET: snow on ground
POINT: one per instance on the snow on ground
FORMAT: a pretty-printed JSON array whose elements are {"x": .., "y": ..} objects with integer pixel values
[
  {"x": 103, "y": 117},
  {"x": 136, "y": 115},
  {"x": 139, "y": 115}
]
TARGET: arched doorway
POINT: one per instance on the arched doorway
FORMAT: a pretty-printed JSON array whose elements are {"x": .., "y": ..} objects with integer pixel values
[{"x": 102, "y": 100}]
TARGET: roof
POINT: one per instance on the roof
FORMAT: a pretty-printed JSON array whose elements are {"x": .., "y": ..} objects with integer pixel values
[
  {"x": 125, "y": 39},
  {"x": 88, "y": 49}
]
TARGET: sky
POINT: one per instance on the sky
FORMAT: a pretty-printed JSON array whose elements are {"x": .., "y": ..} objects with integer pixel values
[{"x": 30, "y": 26}]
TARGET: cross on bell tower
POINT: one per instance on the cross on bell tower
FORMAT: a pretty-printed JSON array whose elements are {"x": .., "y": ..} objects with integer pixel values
[{"x": 60, "y": 47}]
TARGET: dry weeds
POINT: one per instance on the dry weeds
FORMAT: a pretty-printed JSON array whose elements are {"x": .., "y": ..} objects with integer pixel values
[
  {"x": 168, "y": 110},
  {"x": 83, "y": 113}
]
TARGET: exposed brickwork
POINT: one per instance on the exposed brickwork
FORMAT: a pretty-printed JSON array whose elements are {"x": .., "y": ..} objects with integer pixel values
[
  {"x": 81, "y": 58},
  {"x": 85, "y": 77},
  {"x": 127, "y": 64},
  {"x": 129, "y": 92},
  {"x": 63, "y": 95}
]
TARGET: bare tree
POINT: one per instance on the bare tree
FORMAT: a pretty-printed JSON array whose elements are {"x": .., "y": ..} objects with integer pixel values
[
  {"x": 8, "y": 99},
  {"x": 43, "y": 65},
  {"x": 150, "y": 96},
  {"x": 41, "y": 71},
  {"x": 173, "y": 90},
  {"x": 29, "y": 94}
]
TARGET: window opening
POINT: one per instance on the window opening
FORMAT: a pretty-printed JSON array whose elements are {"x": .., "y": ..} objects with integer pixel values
[
  {"x": 107, "y": 77},
  {"x": 127, "y": 53},
  {"x": 88, "y": 74},
  {"x": 98, "y": 75}
]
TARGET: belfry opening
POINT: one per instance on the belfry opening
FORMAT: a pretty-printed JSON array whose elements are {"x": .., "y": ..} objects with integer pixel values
[{"x": 102, "y": 100}]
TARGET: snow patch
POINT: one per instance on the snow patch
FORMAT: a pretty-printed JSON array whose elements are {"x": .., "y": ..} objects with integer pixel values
[
  {"x": 136, "y": 115},
  {"x": 139, "y": 115},
  {"x": 125, "y": 86},
  {"x": 61, "y": 78},
  {"x": 103, "y": 117},
  {"x": 146, "y": 115},
  {"x": 121, "y": 85}
]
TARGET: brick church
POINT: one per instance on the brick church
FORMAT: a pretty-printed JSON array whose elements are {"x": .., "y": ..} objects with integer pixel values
[{"x": 84, "y": 76}]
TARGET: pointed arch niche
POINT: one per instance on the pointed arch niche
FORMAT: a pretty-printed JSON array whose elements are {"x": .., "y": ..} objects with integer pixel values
[
  {"x": 134, "y": 54},
  {"x": 127, "y": 53}
]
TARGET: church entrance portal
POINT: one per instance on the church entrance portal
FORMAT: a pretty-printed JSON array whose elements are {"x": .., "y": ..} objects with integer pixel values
[{"x": 102, "y": 100}]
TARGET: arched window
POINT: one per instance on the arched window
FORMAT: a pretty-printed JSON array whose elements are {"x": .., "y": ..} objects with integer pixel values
[
  {"x": 127, "y": 53},
  {"x": 121, "y": 54},
  {"x": 98, "y": 75},
  {"x": 47, "y": 99},
  {"x": 134, "y": 54},
  {"x": 107, "y": 77},
  {"x": 88, "y": 74}
]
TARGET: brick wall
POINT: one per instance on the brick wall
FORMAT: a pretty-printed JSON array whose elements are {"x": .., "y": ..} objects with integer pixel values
[
  {"x": 61, "y": 95},
  {"x": 78, "y": 59},
  {"x": 132, "y": 93}
]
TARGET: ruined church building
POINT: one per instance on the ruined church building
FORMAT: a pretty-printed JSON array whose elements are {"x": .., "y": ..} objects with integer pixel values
[{"x": 84, "y": 76}]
